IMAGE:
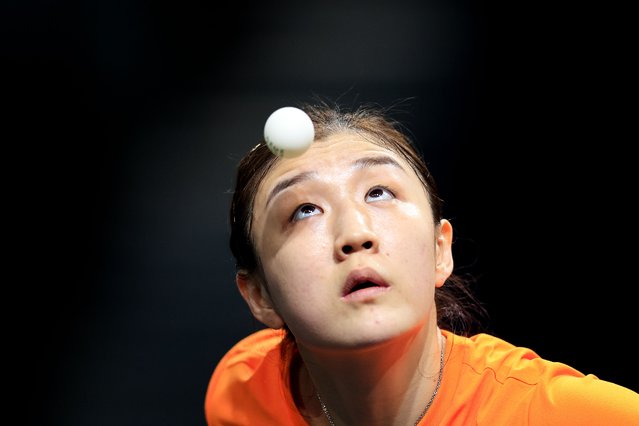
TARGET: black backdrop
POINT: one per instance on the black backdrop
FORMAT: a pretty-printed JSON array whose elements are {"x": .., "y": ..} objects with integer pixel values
[{"x": 126, "y": 119}]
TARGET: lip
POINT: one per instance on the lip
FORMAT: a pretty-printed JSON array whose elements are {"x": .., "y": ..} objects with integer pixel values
[{"x": 363, "y": 284}]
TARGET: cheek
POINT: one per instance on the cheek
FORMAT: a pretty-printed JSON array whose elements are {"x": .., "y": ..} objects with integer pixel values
[
  {"x": 409, "y": 239},
  {"x": 294, "y": 269},
  {"x": 414, "y": 255}
]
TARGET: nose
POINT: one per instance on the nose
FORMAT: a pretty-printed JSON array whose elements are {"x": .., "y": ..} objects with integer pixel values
[{"x": 354, "y": 233}]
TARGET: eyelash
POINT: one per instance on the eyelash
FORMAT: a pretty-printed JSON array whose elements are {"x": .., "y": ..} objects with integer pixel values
[
  {"x": 385, "y": 188},
  {"x": 306, "y": 205}
]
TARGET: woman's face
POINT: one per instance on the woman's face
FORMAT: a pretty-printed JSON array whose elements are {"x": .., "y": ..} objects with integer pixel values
[{"x": 350, "y": 254}]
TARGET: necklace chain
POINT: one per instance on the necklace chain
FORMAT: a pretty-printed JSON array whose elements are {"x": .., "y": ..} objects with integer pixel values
[{"x": 423, "y": 413}]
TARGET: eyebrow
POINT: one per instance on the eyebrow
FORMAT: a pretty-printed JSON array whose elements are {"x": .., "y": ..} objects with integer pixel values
[
  {"x": 378, "y": 160},
  {"x": 360, "y": 163}
]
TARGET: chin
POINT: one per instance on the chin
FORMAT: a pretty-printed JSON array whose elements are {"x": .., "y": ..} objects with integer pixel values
[
  {"x": 366, "y": 332},
  {"x": 376, "y": 335}
]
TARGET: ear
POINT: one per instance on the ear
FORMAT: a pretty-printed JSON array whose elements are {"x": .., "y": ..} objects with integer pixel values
[
  {"x": 258, "y": 300},
  {"x": 444, "y": 253}
]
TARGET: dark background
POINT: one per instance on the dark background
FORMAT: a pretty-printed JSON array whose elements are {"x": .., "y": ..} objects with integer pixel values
[{"x": 124, "y": 122}]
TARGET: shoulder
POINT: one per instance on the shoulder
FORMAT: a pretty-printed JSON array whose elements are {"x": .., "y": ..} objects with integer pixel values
[
  {"x": 248, "y": 383},
  {"x": 253, "y": 349},
  {"x": 507, "y": 384},
  {"x": 488, "y": 354}
]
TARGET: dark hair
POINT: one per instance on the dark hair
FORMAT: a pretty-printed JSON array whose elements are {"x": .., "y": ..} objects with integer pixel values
[{"x": 457, "y": 308}]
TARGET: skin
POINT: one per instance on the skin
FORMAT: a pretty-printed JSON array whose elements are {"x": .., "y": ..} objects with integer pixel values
[{"x": 323, "y": 218}]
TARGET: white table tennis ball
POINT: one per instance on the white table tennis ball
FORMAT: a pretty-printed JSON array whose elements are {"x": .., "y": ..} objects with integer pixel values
[{"x": 288, "y": 132}]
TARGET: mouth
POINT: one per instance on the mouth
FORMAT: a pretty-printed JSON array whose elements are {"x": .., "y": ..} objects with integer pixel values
[{"x": 362, "y": 283}]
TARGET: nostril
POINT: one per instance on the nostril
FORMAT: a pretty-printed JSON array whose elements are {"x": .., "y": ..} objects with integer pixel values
[{"x": 348, "y": 249}]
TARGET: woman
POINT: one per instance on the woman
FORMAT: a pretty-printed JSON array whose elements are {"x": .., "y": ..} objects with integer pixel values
[{"x": 343, "y": 253}]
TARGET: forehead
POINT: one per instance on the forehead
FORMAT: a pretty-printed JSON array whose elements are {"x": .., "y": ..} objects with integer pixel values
[
  {"x": 327, "y": 150},
  {"x": 333, "y": 154}
]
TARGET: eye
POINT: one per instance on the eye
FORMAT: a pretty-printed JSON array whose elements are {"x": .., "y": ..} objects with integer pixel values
[
  {"x": 379, "y": 193},
  {"x": 304, "y": 211}
]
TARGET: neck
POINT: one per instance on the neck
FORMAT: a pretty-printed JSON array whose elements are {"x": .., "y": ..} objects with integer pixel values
[{"x": 388, "y": 384}]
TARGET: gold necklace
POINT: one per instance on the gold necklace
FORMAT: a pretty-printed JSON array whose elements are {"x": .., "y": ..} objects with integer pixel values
[{"x": 423, "y": 413}]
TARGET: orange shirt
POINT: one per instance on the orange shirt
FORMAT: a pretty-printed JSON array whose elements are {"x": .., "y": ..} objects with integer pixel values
[{"x": 486, "y": 381}]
